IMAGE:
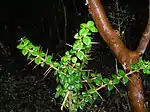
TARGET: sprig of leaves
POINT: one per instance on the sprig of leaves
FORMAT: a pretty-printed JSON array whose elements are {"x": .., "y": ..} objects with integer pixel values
[
  {"x": 77, "y": 87},
  {"x": 141, "y": 65}
]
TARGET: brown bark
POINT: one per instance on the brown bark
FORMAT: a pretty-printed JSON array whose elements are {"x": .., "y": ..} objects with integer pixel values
[{"x": 125, "y": 56}]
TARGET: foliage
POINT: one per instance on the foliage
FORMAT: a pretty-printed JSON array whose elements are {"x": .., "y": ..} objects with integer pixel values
[{"x": 77, "y": 87}]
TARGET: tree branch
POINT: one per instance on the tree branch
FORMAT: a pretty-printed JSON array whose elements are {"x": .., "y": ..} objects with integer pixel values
[
  {"x": 144, "y": 40},
  {"x": 125, "y": 56}
]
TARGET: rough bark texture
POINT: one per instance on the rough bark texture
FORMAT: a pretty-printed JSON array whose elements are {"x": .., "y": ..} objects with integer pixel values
[{"x": 125, "y": 56}]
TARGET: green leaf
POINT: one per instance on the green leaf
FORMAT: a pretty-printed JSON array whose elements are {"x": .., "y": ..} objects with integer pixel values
[
  {"x": 24, "y": 52},
  {"x": 36, "y": 48},
  {"x": 99, "y": 76},
  {"x": 140, "y": 62},
  {"x": 38, "y": 60},
  {"x": 125, "y": 80},
  {"x": 92, "y": 75},
  {"x": 64, "y": 59},
  {"x": 82, "y": 105},
  {"x": 70, "y": 87},
  {"x": 67, "y": 53},
  {"x": 83, "y": 25},
  {"x": 90, "y": 23},
  {"x": 56, "y": 64},
  {"x": 30, "y": 46},
  {"x": 42, "y": 54},
  {"x": 91, "y": 91},
  {"x": 70, "y": 71},
  {"x": 87, "y": 99},
  {"x": 146, "y": 71},
  {"x": 95, "y": 95},
  {"x": 59, "y": 91},
  {"x": 77, "y": 46},
  {"x": 63, "y": 79},
  {"x": 20, "y": 46},
  {"x": 78, "y": 86},
  {"x": 93, "y": 29},
  {"x": 48, "y": 60},
  {"x": 110, "y": 87},
  {"x": 98, "y": 82},
  {"x": 80, "y": 55},
  {"x": 74, "y": 59},
  {"x": 78, "y": 64},
  {"x": 121, "y": 73},
  {"x": 87, "y": 40},
  {"x": 83, "y": 32},
  {"x": 106, "y": 80},
  {"x": 116, "y": 81},
  {"x": 26, "y": 41},
  {"x": 84, "y": 77},
  {"x": 34, "y": 53}
]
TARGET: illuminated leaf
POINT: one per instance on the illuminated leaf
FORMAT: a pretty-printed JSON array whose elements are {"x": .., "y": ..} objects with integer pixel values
[
  {"x": 24, "y": 51},
  {"x": 74, "y": 59},
  {"x": 48, "y": 60},
  {"x": 87, "y": 40},
  {"x": 80, "y": 55},
  {"x": 37, "y": 60}
]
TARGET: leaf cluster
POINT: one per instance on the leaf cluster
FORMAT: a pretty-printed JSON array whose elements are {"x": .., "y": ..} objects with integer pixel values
[{"x": 77, "y": 87}]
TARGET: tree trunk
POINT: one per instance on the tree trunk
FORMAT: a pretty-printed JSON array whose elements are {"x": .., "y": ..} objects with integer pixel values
[{"x": 124, "y": 55}]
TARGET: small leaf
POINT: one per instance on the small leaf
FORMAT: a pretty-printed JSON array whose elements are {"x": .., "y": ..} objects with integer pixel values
[
  {"x": 90, "y": 23},
  {"x": 77, "y": 46},
  {"x": 106, "y": 80},
  {"x": 110, "y": 87},
  {"x": 70, "y": 71},
  {"x": 83, "y": 32},
  {"x": 20, "y": 46},
  {"x": 99, "y": 76},
  {"x": 95, "y": 96},
  {"x": 65, "y": 59},
  {"x": 36, "y": 48},
  {"x": 67, "y": 53},
  {"x": 91, "y": 91},
  {"x": 84, "y": 77},
  {"x": 82, "y": 105},
  {"x": 37, "y": 60},
  {"x": 93, "y": 29},
  {"x": 78, "y": 86},
  {"x": 121, "y": 73},
  {"x": 30, "y": 46},
  {"x": 87, "y": 40},
  {"x": 83, "y": 25},
  {"x": 74, "y": 59},
  {"x": 63, "y": 79},
  {"x": 24, "y": 52},
  {"x": 78, "y": 64},
  {"x": 98, "y": 82},
  {"x": 80, "y": 55},
  {"x": 34, "y": 53},
  {"x": 125, "y": 80},
  {"x": 92, "y": 75},
  {"x": 87, "y": 99},
  {"x": 116, "y": 81},
  {"x": 56, "y": 64},
  {"x": 42, "y": 54},
  {"x": 48, "y": 60},
  {"x": 26, "y": 42}
]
